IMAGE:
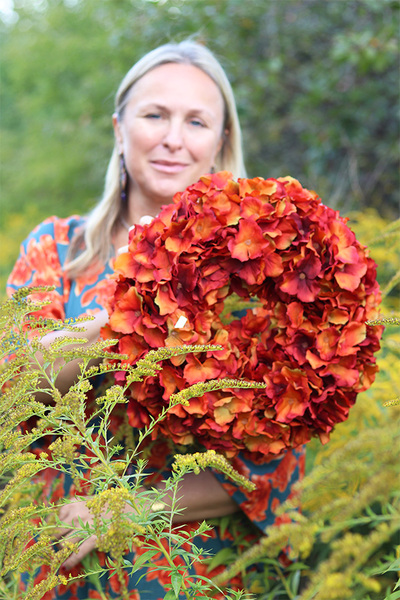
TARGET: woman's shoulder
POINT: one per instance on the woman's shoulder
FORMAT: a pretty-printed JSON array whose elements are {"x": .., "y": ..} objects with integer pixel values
[
  {"x": 43, "y": 253},
  {"x": 61, "y": 229}
]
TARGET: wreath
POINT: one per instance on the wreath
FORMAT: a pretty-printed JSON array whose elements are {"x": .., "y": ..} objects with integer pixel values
[{"x": 264, "y": 269}]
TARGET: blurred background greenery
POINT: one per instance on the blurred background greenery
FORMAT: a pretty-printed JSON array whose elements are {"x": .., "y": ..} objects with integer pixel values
[{"x": 316, "y": 82}]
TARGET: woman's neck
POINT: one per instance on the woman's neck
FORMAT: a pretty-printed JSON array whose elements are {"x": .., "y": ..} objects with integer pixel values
[{"x": 140, "y": 208}]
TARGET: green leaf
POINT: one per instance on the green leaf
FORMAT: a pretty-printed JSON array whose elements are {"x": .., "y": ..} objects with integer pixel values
[
  {"x": 170, "y": 595},
  {"x": 223, "y": 557},
  {"x": 142, "y": 559},
  {"x": 224, "y": 524},
  {"x": 176, "y": 581},
  {"x": 387, "y": 567},
  {"x": 394, "y": 596}
]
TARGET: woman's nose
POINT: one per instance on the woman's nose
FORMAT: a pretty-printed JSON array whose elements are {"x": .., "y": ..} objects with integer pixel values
[{"x": 173, "y": 138}]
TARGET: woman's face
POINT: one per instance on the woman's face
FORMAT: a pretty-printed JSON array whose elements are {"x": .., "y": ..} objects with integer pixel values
[{"x": 170, "y": 133}]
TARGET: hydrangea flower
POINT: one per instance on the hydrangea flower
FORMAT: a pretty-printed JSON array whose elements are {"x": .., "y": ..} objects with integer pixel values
[{"x": 308, "y": 285}]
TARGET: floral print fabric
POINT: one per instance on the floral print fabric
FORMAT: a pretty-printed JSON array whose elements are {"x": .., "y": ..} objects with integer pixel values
[{"x": 41, "y": 262}]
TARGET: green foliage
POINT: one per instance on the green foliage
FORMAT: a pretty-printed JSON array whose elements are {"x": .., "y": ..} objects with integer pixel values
[
  {"x": 316, "y": 84},
  {"x": 383, "y": 240}
]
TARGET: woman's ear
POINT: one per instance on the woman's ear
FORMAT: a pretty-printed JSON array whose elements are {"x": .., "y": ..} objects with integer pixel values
[{"x": 117, "y": 132}]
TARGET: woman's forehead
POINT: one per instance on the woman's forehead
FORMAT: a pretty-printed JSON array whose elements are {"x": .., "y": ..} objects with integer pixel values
[{"x": 175, "y": 81}]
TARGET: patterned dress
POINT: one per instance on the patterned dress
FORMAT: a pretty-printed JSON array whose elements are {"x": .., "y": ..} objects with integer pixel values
[{"x": 41, "y": 261}]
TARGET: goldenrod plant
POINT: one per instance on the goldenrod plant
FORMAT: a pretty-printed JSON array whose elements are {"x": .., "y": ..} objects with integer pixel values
[{"x": 27, "y": 523}]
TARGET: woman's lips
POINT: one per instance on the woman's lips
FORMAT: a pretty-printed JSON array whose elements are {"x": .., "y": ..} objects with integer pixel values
[{"x": 167, "y": 166}]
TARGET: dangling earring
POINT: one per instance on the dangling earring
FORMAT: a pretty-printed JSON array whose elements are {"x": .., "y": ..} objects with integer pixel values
[
  {"x": 123, "y": 178},
  {"x": 212, "y": 170}
]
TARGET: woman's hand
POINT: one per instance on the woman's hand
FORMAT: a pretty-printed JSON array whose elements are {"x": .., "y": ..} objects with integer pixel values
[
  {"x": 69, "y": 371},
  {"x": 200, "y": 497},
  {"x": 70, "y": 515},
  {"x": 92, "y": 330},
  {"x": 145, "y": 220}
]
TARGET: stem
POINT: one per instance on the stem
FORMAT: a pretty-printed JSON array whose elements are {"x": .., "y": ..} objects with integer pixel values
[
  {"x": 284, "y": 582},
  {"x": 166, "y": 554},
  {"x": 171, "y": 514}
]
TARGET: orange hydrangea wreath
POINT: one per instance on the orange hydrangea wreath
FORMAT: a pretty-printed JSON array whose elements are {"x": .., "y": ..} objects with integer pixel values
[{"x": 309, "y": 287}]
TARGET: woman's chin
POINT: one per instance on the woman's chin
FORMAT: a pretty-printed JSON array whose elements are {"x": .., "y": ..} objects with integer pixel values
[{"x": 167, "y": 185}]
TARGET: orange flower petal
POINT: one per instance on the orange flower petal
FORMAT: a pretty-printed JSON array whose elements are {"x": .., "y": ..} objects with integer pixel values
[{"x": 248, "y": 241}]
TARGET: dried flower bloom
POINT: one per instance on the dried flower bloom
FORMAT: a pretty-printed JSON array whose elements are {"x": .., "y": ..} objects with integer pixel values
[{"x": 310, "y": 337}]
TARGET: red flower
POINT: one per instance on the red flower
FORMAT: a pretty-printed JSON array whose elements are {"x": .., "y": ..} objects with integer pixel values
[
  {"x": 310, "y": 286},
  {"x": 300, "y": 281}
]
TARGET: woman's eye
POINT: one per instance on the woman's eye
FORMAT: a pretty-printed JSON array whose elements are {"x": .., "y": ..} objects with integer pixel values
[
  {"x": 153, "y": 116},
  {"x": 197, "y": 122}
]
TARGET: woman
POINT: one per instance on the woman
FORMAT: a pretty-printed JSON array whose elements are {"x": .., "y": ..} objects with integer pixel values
[{"x": 175, "y": 119}]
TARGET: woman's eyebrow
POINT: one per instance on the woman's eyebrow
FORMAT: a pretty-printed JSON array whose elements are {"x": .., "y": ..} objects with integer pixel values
[
  {"x": 191, "y": 111},
  {"x": 152, "y": 105}
]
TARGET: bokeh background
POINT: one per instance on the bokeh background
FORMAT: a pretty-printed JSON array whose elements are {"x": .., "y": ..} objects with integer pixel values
[{"x": 316, "y": 82}]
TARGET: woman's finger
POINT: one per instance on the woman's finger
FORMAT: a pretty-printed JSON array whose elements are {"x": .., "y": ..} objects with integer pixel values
[
  {"x": 145, "y": 220},
  {"x": 122, "y": 250},
  {"x": 61, "y": 532},
  {"x": 70, "y": 515},
  {"x": 76, "y": 557}
]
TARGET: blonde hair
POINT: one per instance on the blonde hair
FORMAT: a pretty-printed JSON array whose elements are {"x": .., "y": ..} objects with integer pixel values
[{"x": 96, "y": 235}]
